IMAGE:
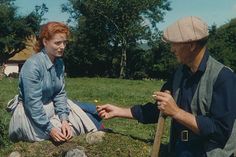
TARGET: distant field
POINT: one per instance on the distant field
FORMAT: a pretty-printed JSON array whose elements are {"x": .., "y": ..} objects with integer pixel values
[{"x": 130, "y": 137}]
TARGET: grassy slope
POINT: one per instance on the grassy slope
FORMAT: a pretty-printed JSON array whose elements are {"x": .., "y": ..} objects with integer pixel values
[{"x": 130, "y": 138}]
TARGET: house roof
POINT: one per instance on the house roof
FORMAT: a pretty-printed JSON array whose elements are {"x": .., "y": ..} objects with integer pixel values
[
  {"x": 22, "y": 55},
  {"x": 25, "y": 53}
]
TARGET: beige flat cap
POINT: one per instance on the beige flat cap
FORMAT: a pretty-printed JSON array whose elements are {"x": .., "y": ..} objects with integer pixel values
[{"x": 187, "y": 29}]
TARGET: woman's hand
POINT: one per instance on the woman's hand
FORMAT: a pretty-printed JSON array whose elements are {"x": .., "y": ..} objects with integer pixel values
[
  {"x": 56, "y": 135},
  {"x": 66, "y": 130},
  {"x": 61, "y": 135}
]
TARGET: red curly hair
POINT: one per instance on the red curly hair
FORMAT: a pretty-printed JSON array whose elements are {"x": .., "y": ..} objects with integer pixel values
[{"x": 48, "y": 30}]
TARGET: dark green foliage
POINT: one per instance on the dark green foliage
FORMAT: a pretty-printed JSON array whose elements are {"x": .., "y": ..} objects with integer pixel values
[
  {"x": 106, "y": 40},
  {"x": 163, "y": 62},
  {"x": 107, "y": 35},
  {"x": 15, "y": 28},
  {"x": 152, "y": 59},
  {"x": 222, "y": 42}
]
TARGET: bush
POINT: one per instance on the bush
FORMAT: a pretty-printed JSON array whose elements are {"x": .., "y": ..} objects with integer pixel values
[
  {"x": 13, "y": 75},
  {"x": 139, "y": 75}
]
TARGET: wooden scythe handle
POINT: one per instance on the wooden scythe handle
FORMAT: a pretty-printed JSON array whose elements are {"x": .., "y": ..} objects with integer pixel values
[{"x": 158, "y": 136}]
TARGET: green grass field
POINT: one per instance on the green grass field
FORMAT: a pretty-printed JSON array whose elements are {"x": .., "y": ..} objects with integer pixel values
[{"x": 129, "y": 138}]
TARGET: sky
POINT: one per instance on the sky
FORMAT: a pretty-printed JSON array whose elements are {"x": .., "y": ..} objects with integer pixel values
[
  {"x": 216, "y": 12},
  {"x": 54, "y": 8}
]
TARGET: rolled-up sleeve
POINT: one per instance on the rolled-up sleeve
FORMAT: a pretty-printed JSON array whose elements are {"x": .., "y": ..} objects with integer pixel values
[
  {"x": 218, "y": 125},
  {"x": 145, "y": 114},
  {"x": 31, "y": 88}
]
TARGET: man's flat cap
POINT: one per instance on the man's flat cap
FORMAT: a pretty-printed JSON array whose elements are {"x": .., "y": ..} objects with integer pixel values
[{"x": 187, "y": 29}]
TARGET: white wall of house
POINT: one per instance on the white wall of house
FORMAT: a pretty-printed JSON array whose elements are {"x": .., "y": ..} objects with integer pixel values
[{"x": 11, "y": 68}]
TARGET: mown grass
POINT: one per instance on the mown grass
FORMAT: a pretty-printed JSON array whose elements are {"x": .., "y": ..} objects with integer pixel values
[{"x": 129, "y": 138}]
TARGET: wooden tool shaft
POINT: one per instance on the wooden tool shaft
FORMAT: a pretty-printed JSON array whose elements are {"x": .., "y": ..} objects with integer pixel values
[{"x": 158, "y": 136}]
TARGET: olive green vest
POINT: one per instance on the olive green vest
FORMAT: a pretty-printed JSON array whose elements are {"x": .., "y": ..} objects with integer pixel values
[{"x": 202, "y": 99}]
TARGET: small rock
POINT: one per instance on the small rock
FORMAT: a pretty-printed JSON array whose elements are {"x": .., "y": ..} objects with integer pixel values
[
  {"x": 77, "y": 152},
  {"x": 15, "y": 154},
  {"x": 95, "y": 137}
]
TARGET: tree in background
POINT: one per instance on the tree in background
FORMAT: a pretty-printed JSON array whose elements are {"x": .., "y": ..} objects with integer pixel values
[
  {"x": 163, "y": 63},
  {"x": 109, "y": 37},
  {"x": 14, "y": 29},
  {"x": 222, "y": 43},
  {"x": 109, "y": 29}
]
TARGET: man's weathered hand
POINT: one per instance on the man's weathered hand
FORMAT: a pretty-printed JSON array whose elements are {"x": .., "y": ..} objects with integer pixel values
[
  {"x": 166, "y": 103},
  {"x": 107, "y": 111}
]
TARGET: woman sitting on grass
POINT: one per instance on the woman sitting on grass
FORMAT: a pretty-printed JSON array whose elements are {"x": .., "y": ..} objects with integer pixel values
[{"x": 41, "y": 110}]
